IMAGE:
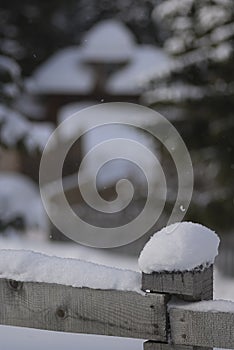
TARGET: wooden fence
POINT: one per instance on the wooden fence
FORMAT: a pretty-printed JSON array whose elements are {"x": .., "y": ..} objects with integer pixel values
[{"x": 125, "y": 314}]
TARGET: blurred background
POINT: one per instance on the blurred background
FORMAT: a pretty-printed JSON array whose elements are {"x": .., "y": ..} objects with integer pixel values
[{"x": 58, "y": 57}]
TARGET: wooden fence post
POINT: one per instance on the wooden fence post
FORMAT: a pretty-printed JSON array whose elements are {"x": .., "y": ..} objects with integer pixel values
[
  {"x": 189, "y": 285},
  {"x": 149, "y": 345},
  {"x": 193, "y": 285}
]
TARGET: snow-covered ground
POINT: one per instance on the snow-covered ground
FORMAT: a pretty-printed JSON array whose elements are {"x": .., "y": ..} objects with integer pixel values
[
  {"x": 37, "y": 242},
  {"x": 24, "y": 338},
  {"x": 28, "y": 339}
]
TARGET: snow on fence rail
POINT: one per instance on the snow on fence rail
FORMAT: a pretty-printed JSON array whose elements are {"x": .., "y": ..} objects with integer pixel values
[{"x": 171, "y": 309}]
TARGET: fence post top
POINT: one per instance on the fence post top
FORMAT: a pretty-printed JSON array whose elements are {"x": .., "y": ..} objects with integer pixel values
[
  {"x": 182, "y": 246},
  {"x": 179, "y": 260}
]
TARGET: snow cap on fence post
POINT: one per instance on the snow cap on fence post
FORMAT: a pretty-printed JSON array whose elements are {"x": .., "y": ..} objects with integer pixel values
[{"x": 179, "y": 260}]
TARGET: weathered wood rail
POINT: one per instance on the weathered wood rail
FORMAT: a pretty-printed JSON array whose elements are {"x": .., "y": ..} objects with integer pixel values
[
  {"x": 125, "y": 314},
  {"x": 83, "y": 310}
]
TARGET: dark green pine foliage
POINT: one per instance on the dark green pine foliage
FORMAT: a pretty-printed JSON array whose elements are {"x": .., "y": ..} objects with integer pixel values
[
  {"x": 197, "y": 93},
  {"x": 33, "y": 30},
  {"x": 18, "y": 129}
]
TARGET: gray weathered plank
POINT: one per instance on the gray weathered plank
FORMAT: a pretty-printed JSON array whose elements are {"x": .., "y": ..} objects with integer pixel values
[
  {"x": 151, "y": 345},
  {"x": 82, "y": 310},
  {"x": 192, "y": 285},
  {"x": 202, "y": 328}
]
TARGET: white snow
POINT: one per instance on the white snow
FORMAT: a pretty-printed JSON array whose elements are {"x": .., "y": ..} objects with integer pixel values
[
  {"x": 67, "y": 70},
  {"x": 213, "y": 27},
  {"x": 11, "y": 66},
  {"x": 24, "y": 338},
  {"x": 38, "y": 136},
  {"x": 109, "y": 41},
  {"x": 175, "y": 92},
  {"x": 146, "y": 60},
  {"x": 64, "y": 72},
  {"x": 70, "y": 70},
  {"x": 182, "y": 23},
  {"x": 15, "y": 127},
  {"x": 29, "y": 106},
  {"x": 206, "y": 305},
  {"x": 28, "y": 339},
  {"x": 222, "y": 52},
  {"x": 175, "y": 45},
  {"x": 178, "y": 92},
  {"x": 34, "y": 241},
  {"x": 222, "y": 33},
  {"x": 213, "y": 16},
  {"x": 19, "y": 196},
  {"x": 11, "y": 47},
  {"x": 179, "y": 247},
  {"x": 70, "y": 130},
  {"x": 30, "y": 266},
  {"x": 223, "y": 286},
  {"x": 11, "y": 90},
  {"x": 169, "y": 8}
]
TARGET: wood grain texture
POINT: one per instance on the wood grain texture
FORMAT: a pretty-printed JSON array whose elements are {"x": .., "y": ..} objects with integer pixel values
[
  {"x": 193, "y": 285},
  {"x": 207, "y": 328},
  {"x": 82, "y": 310},
  {"x": 151, "y": 345}
]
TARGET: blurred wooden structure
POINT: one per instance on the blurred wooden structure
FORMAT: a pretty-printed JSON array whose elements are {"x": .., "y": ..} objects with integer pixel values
[{"x": 109, "y": 66}]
